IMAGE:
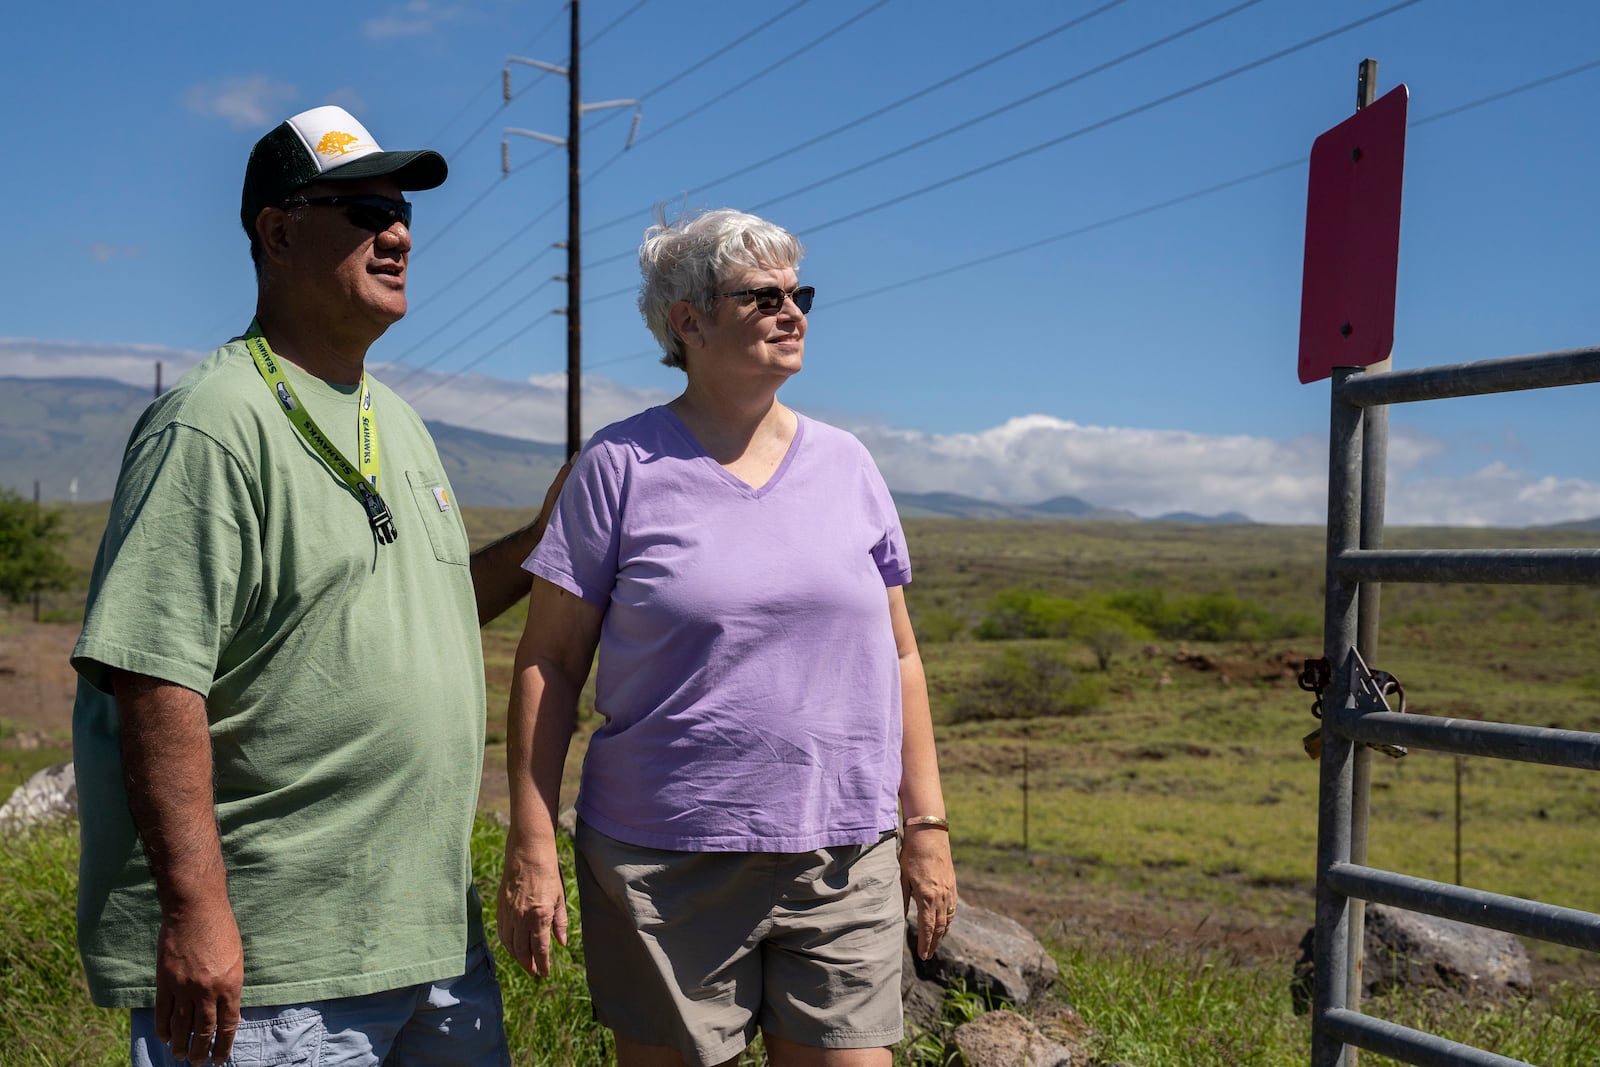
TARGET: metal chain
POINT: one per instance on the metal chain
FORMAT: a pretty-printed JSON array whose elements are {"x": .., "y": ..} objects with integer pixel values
[{"x": 1314, "y": 678}]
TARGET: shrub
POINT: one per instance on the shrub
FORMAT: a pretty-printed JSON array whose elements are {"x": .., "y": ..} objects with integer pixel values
[
  {"x": 1023, "y": 613},
  {"x": 938, "y": 624},
  {"x": 1206, "y": 617},
  {"x": 31, "y": 542},
  {"x": 1026, "y": 684},
  {"x": 1104, "y": 627},
  {"x": 1105, "y": 630}
]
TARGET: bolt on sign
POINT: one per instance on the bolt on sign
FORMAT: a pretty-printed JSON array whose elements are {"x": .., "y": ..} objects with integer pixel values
[{"x": 1347, "y": 293}]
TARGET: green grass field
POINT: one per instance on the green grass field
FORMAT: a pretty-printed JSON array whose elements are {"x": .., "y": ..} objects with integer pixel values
[{"x": 1172, "y": 787}]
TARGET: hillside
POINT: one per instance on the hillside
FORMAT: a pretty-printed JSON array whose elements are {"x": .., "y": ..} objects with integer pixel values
[{"x": 68, "y": 434}]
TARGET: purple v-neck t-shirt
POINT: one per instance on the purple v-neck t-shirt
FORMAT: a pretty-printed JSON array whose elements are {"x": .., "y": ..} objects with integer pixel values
[{"x": 747, "y": 670}]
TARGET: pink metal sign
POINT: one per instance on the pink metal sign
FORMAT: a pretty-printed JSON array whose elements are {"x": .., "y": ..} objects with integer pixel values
[{"x": 1353, "y": 239}]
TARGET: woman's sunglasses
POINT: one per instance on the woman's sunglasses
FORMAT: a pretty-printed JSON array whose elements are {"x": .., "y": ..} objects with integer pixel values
[
  {"x": 769, "y": 298},
  {"x": 375, "y": 213}
]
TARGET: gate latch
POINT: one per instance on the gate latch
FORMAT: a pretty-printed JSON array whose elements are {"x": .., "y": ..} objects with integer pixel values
[{"x": 1370, "y": 687}]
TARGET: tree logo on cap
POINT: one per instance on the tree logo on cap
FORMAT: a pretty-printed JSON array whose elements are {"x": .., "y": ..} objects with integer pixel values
[{"x": 336, "y": 143}]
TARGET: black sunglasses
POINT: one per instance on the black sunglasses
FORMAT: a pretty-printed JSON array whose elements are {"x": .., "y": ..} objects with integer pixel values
[
  {"x": 769, "y": 298},
  {"x": 370, "y": 212}
]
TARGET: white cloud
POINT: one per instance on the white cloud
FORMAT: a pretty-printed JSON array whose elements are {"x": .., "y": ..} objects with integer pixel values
[
  {"x": 534, "y": 410},
  {"x": 1034, "y": 457},
  {"x": 410, "y": 19},
  {"x": 105, "y": 253},
  {"x": 1150, "y": 472},
  {"x": 1494, "y": 495},
  {"x": 22, "y": 357},
  {"x": 1025, "y": 460},
  {"x": 255, "y": 102}
]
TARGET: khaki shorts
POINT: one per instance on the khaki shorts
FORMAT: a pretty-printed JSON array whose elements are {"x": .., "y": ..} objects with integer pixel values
[{"x": 695, "y": 950}]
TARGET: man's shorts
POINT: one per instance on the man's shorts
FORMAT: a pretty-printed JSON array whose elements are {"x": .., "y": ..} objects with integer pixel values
[
  {"x": 451, "y": 1021},
  {"x": 695, "y": 950}
]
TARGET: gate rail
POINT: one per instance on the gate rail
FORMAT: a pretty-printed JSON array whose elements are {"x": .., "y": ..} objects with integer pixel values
[{"x": 1357, "y": 715}]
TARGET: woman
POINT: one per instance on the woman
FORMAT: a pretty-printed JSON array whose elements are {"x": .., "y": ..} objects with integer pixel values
[{"x": 739, "y": 567}]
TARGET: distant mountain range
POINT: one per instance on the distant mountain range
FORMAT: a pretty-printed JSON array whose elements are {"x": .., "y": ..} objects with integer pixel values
[
  {"x": 956, "y": 506},
  {"x": 68, "y": 433}
]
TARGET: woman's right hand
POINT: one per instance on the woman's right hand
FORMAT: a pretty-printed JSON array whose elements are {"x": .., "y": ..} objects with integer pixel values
[
  {"x": 551, "y": 667},
  {"x": 532, "y": 905}
]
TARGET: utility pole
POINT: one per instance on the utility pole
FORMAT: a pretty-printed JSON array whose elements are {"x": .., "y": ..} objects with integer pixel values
[
  {"x": 576, "y": 109},
  {"x": 574, "y": 258}
]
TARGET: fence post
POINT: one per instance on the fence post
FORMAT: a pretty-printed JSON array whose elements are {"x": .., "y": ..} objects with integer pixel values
[
  {"x": 1374, "y": 484},
  {"x": 1024, "y": 800}
]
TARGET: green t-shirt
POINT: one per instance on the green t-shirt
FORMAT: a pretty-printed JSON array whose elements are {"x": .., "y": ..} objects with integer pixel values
[{"x": 343, "y": 680}]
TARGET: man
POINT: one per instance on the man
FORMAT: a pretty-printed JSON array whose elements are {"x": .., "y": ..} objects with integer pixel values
[{"x": 280, "y": 716}]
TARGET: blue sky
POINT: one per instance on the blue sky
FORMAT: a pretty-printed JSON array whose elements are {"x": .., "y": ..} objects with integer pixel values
[{"x": 1144, "y": 359}]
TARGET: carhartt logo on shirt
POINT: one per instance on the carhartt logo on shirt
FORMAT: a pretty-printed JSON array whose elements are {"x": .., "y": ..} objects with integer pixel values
[
  {"x": 284, "y": 398},
  {"x": 441, "y": 498}
]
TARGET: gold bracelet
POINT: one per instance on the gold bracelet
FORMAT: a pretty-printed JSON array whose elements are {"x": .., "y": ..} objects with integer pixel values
[{"x": 928, "y": 820}]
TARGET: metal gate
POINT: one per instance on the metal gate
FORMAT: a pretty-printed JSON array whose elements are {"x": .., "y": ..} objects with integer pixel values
[{"x": 1356, "y": 716}]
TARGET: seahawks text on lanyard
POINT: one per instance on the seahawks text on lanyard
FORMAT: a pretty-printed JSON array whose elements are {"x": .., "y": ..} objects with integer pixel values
[{"x": 364, "y": 484}]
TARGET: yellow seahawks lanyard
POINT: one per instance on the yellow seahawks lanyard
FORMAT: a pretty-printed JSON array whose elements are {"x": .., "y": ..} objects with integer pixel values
[{"x": 364, "y": 484}]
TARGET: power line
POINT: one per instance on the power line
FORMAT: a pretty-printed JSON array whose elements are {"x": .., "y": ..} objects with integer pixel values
[
  {"x": 438, "y": 234},
  {"x": 471, "y": 101},
  {"x": 537, "y": 37},
  {"x": 628, "y": 358},
  {"x": 1082, "y": 75},
  {"x": 1199, "y": 193},
  {"x": 463, "y": 313},
  {"x": 1103, "y": 123},
  {"x": 501, "y": 247},
  {"x": 1493, "y": 97},
  {"x": 453, "y": 375},
  {"x": 1126, "y": 216},
  {"x": 614, "y": 23},
  {"x": 1196, "y": 194},
  {"x": 884, "y": 110},
  {"x": 508, "y": 309},
  {"x": 767, "y": 22},
  {"x": 514, "y": 397},
  {"x": 494, "y": 185},
  {"x": 923, "y": 92},
  {"x": 477, "y": 201},
  {"x": 1148, "y": 209},
  {"x": 484, "y": 414},
  {"x": 1011, "y": 106},
  {"x": 1163, "y": 204},
  {"x": 741, "y": 39},
  {"x": 772, "y": 68}
]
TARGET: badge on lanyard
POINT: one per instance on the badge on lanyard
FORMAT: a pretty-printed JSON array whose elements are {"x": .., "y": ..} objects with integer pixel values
[{"x": 363, "y": 482}]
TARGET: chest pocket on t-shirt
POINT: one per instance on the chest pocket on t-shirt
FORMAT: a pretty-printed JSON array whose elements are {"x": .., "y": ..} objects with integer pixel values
[{"x": 439, "y": 516}]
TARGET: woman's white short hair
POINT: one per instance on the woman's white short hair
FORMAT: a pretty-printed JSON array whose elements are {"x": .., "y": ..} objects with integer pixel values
[{"x": 692, "y": 256}]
